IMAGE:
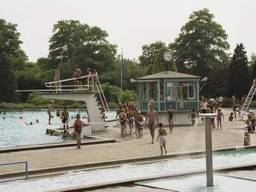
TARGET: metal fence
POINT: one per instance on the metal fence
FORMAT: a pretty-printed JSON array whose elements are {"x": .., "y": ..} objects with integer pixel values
[{"x": 16, "y": 163}]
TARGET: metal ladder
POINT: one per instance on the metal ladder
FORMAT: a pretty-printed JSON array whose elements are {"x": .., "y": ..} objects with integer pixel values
[
  {"x": 248, "y": 99},
  {"x": 101, "y": 94}
]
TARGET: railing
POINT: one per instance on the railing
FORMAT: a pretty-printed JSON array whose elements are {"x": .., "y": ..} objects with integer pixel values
[
  {"x": 92, "y": 84},
  {"x": 58, "y": 85},
  {"x": 16, "y": 163}
]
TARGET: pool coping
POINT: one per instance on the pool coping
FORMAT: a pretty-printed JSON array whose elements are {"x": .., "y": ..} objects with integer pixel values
[
  {"x": 83, "y": 188},
  {"x": 103, "y": 164},
  {"x": 57, "y": 145}
]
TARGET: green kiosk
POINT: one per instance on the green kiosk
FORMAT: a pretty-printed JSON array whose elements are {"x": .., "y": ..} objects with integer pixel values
[{"x": 167, "y": 89}]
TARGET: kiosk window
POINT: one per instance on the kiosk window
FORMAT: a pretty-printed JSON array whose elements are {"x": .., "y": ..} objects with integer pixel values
[{"x": 170, "y": 91}]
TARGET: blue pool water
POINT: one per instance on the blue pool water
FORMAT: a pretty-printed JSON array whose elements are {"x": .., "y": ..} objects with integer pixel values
[
  {"x": 15, "y": 129},
  {"x": 133, "y": 172}
]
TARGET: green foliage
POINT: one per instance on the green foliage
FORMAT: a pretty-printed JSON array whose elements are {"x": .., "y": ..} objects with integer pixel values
[
  {"x": 76, "y": 43},
  {"x": 36, "y": 99},
  {"x": 112, "y": 93},
  {"x": 29, "y": 77},
  {"x": 68, "y": 35},
  {"x": 253, "y": 66},
  {"x": 129, "y": 96},
  {"x": 239, "y": 72},
  {"x": 10, "y": 56},
  {"x": 152, "y": 58},
  {"x": 200, "y": 47}
]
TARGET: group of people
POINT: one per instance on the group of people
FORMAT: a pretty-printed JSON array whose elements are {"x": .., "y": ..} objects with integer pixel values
[
  {"x": 91, "y": 78},
  {"x": 130, "y": 116},
  {"x": 211, "y": 107},
  {"x": 65, "y": 119},
  {"x": 251, "y": 122}
]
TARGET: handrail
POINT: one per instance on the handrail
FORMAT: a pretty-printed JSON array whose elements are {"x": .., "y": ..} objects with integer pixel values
[
  {"x": 15, "y": 163},
  {"x": 101, "y": 90},
  {"x": 69, "y": 79},
  {"x": 92, "y": 84},
  {"x": 101, "y": 99}
]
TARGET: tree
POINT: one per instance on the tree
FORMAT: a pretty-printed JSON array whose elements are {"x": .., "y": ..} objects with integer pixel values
[
  {"x": 253, "y": 66},
  {"x": 68, "y": 35},
  {"x": 239, "y": 72},
  {"x": 201, "y": 45},
  {"x": 10, "y": 55},
  {"x": 152, "y": 58},
  {"x": 76, "y": 43}
]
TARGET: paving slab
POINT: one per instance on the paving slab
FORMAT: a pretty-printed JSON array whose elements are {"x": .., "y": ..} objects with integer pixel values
[{"x": 184, "y": 139}]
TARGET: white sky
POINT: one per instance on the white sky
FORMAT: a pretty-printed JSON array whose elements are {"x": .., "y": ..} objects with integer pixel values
[{"x": 130, "y": 23}]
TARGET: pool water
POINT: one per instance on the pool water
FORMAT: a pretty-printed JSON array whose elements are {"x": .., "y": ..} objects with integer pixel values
[
  {"x": 15, "y": 128},
  {"x": 130, "y": 172}
]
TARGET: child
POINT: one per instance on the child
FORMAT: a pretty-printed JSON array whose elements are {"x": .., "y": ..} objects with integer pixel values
[
  {"x": 231, "y": 117},
  {"x": 78, "y": 124},
  {"x": 193, "y": 117},
  {"x": 123, "y": 121},
  {"x": 162, "y": 138},
  {"x": 219, "y": 119},
  {"x": 139, "y": 123}
]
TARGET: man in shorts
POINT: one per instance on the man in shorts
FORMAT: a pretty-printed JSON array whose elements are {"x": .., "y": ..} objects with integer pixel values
[{"x": 152, "y": 120}]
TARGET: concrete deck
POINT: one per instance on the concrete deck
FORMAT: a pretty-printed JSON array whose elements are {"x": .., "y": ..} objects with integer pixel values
[{"x": 184, "y": 139}]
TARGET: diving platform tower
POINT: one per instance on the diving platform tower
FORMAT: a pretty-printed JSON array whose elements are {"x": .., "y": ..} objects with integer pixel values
[{"x": 87, "y": 89}]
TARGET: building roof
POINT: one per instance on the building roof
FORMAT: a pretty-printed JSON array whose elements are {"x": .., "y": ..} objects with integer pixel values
[{"x": 168, "y": 75}]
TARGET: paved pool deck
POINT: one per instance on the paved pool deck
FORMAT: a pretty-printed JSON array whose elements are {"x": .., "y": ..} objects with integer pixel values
[{"x": 184, "y": 139}]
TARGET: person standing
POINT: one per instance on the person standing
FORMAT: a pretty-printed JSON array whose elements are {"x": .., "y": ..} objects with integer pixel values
[
  {"x": 193, "y": 117},
  {"x": 219, "y": 119},
  {"x": 152, "y": 120},
  {"x": 89, "y": 78},
  {"x": 65, "y": 118},
  {"x": 233, "y": 101},
  {"x": 49, "y": 112},
  {"x": 162, "y": 138},
  {"x": 123, "y": 121},
  {"x": 78, "y": 124},
  {"x": 77, "y": 74},
  {"x": 139, "y": 121},
  {"x": 171, "y": 117}
]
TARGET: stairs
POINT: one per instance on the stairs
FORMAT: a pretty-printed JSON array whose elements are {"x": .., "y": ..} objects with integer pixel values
[
  {"x": 248, "y": 99},
  {"x": 92, "y": 94}
]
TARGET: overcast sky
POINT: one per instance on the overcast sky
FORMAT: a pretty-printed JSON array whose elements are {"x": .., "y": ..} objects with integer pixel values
[{"x": 129, "y": 23}]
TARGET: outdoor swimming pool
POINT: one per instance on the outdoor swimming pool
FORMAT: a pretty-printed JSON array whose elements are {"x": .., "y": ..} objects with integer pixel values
[
  {"x": 131, "y": 172},
  {"x": 15, "y": 129}
]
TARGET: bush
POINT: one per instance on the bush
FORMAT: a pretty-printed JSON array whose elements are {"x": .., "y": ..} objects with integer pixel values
[
  {"x": 4, "y": 105},
  {"x": 36, "y": 99},
  {"x": 129, "y": 96},
  {"x": 112, "y": 93},
  {"x": 227, "y": 102}
]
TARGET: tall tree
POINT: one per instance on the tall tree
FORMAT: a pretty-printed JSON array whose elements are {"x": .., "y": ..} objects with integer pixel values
[
  {"x": 9, "y": 53},
  {"x": 253, "y": 66},
  {"x": 152, "y": 58},
  {"x": 76, "y": 43},
  {"x": 67, "y": 36},
  {"x": 201, "y": 45},
  {"x": 239, "y": 72}
]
